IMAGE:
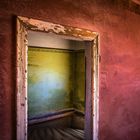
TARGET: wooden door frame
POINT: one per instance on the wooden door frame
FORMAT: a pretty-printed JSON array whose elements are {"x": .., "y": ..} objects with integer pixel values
[{"x": 25, "y": 24}]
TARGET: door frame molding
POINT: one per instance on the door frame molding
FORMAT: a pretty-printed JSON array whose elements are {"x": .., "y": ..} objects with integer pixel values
[{"x": 23, "y": 25}]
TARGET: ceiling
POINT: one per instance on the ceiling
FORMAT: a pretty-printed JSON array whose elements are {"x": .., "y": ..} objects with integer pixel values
[
  {"x": 136, "y": 2},
  {"x": 132, "y": 5}
]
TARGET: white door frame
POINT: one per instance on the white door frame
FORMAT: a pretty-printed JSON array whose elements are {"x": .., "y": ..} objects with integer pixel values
[{"x": 23, "y": 25}]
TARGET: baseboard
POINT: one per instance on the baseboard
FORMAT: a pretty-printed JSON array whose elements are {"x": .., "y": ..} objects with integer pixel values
[{"x": 54, "y": 115}]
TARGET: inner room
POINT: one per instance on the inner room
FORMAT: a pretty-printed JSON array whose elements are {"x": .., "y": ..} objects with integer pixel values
[{"x": 56, "y": 87}]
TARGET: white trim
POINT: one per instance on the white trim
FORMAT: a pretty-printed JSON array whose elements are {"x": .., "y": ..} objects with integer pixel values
[{"x": 23, "y": 25}]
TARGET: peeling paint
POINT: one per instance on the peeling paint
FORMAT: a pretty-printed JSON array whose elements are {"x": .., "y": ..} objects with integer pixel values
[
  {"x": 34, "y": 25},
  {"x": 38, "y": 25}
]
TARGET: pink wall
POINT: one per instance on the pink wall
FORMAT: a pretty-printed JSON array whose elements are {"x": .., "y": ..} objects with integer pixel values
[
  {"x": 119, "y": 68},
  {"x": 120, "y": 78}
]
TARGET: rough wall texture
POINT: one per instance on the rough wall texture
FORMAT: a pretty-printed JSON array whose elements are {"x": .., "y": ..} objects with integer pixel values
[{"x": 119, "y": 67}]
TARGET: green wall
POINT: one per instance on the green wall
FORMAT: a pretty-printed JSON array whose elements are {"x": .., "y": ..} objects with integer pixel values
[
  {"x": 52, "y": 80},
  {"x": 79, "y": 92}
]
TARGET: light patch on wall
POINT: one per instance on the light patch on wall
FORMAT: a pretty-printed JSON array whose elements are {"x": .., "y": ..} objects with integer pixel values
[{"x": 50, "y": 80}]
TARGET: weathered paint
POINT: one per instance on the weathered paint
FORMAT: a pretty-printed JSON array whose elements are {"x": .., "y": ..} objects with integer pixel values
[
  {"x": 37, "y": 25},
  {"x": 119, "y": 67},
  {"x": 89, "y": 89},
  {"x": 90, "y": 93},
  {"x": 21, "y": 83}
]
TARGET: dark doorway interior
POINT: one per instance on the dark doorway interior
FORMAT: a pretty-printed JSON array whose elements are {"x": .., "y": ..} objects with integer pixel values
[{"x": 56, "y": 87}]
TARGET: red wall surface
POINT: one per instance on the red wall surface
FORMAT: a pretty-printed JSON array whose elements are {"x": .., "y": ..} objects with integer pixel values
[{"x": 119, "y": 31}]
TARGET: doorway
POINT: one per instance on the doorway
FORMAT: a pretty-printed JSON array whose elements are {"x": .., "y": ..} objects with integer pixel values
[
  {"x": 56, "y": 87},
  {"x": 65, "y": 102}
]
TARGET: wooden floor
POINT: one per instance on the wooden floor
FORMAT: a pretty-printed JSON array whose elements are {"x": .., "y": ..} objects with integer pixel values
[{"x": 46, "y": 133}]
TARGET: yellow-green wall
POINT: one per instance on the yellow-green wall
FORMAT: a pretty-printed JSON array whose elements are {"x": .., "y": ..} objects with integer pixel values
[
  {"x": 52, "y": 80},
  {"x": 79, "y": 84}
]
